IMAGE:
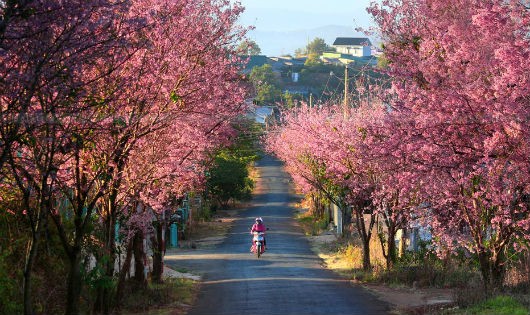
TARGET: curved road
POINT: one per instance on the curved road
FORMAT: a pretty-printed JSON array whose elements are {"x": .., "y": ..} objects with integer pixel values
[{"x": 287, "y": 279}]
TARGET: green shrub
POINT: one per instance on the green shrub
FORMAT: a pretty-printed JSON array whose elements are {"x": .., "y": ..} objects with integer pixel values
[
  {"x": 312, "y": 225},
  {"x": 424, "y": 268},
  {"x": 9, "y": 293},
  {"x": 499, "y": 305},
  {"x": 171, "y": 292}
]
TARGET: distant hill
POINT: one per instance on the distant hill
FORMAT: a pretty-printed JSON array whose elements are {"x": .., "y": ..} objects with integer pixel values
[{"x": 282, "y": 43}]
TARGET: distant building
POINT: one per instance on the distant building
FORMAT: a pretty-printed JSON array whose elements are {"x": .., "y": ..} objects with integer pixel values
[
  {"x": 355, "y": 46},
  {"x": 336, "y": 58},
  {"x": 254, "y": 61},
  {"x": 279, "y": 63}
]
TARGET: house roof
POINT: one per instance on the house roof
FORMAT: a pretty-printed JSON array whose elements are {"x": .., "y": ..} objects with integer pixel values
[
  {"x": 253, "y": 61},
  {"x": 352, "y": 41},
  {"x": 256, "y": 61}
]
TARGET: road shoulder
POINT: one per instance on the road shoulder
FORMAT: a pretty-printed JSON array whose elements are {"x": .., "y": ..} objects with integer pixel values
[{"x": 405, "y": 300}]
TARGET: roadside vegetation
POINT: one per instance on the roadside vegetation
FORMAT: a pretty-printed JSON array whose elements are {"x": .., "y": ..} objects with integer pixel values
[
  {"x": 417, "y": 270},
  {"x": 174, "y": 296},
  {"x": 499, "y": 305},
  {"x": 229, "y": 177}
]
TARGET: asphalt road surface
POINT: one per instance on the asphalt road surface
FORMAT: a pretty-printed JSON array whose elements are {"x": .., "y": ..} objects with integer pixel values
[{"x": 287, "y": 279}]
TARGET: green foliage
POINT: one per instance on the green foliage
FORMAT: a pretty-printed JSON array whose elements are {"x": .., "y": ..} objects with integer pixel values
[
  {"x": 288, "y": 100},
  {"x": 266, "y": 93},
  {"x": 228, "y": 178},
  {"x": 499, "y": 305},
  {"x": 424, "y": 268},
  {"x": 312, "y": 60},
  {"x": 313, "y": 225},
  {"x": 382, "y": 62},
  {"x": 48, "y": 272},
  {"x": 9, "y": 292},
  {"x": 96, "y": 278},
  {"x": 299, "y": 52},
  {"x": 173, "y": 292},
  {"x": 265, "y": 83},
  {"x": 263, "y": 74},
  {"x": 317, "y": 47},
  {"x": 249, "y": 47}
]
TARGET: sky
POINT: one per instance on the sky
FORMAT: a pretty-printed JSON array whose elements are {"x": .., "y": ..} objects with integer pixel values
[{"x": 284, "y": 25}]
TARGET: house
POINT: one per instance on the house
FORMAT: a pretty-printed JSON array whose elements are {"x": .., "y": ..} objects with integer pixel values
[{"x": 355, "y": 46}]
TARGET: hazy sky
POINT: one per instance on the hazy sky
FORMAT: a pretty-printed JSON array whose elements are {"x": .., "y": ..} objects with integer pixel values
[{"x": 290, "y": 15}]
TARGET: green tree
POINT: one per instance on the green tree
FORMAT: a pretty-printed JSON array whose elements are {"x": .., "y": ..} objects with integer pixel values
[
  {"x": 312, "y": 60},
  {"x": 299, "y": 52},
  {"x": 266, "y": 84},
  {"x": 249, "y": 47},
  {"x": 317, "y": 46},
  {"x": 228, "y": 178},
  {"x": 288, "y": 100}
]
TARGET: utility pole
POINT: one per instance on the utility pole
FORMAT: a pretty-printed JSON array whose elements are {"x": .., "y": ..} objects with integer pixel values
[
  {"x": 345, "y": 108},
  {"x": 310, "y": 100}
]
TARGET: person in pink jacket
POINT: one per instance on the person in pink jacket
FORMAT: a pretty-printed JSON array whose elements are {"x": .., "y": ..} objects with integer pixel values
[{"x": 259, "y": 227}]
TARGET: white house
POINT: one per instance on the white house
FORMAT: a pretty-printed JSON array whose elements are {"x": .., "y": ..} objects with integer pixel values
[{"x": 355, "y": 46}]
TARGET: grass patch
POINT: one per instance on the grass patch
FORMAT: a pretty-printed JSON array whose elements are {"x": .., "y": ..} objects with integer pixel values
[
  {"x": 312, "y": 225},
  {"x": 499, "y": 305},
  {"x": 420, "y": 269},
  {"x": 163, "y": 298}
]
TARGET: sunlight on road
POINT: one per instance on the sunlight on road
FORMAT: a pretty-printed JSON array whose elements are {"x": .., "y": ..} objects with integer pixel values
[
  {"x": 239, "y": 257},
  {"x": 276, "y": 279}
]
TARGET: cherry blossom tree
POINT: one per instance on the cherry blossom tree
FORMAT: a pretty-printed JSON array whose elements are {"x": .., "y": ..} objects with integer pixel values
[
  {"x": 328, "y": 150},
  {"x": 51, "y": 60},
  {"x": 185, "y": 73},
  {"x": 85, "y": 83},
  {"x": 462, "y": 97}
]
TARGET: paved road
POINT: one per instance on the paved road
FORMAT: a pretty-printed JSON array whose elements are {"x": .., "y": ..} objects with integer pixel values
[{"x": 287, "y": 279}]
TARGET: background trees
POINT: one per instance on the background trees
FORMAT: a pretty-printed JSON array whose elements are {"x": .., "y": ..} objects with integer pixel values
[
  {"x": 228, "y": 178},
  {"x": 316, "y": 47},
  {"x": 249, "y": 47},
  {"x": 265, "y": 83}
]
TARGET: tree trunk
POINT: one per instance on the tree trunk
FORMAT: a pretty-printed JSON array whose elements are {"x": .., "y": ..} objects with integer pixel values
[
  {"x": 391, "y": 246},
  {"x": 123, "y": 273},
  {"x": 365, "y": 234},
  {"x": 158, "y": 254},
  {"x": 492, "y": 270},
  {"x": 111, "y": 250},
  {"x": 73, "y": 282},
  {"x": 28, "y": 267},
  {"x": 31, "y": 254},
  {"x": 402, "y": 242},
  {"x": 346, "y": 218},
  {"x": 139, "y": 259},
  {"x": 367, "y": 264}
]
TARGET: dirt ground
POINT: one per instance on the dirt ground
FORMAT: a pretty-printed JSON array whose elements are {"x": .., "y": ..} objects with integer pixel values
[{"x": 210, "y": 233}]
